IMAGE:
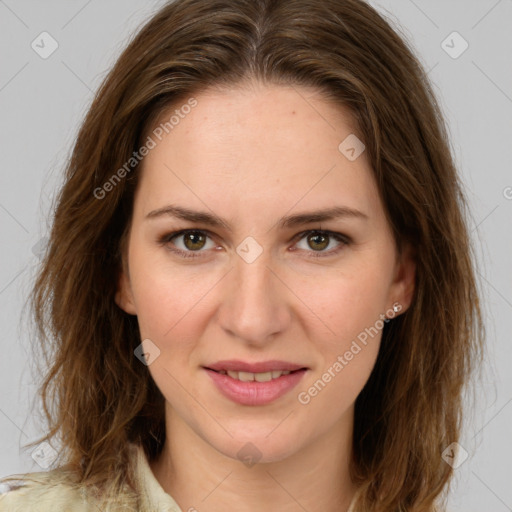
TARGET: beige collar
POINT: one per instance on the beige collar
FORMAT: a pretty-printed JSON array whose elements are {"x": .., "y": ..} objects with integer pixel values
[{"x": 153, "y": 497}]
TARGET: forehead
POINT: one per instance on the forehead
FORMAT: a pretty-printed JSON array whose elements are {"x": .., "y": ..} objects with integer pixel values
[{"x": 256, "y": 144}]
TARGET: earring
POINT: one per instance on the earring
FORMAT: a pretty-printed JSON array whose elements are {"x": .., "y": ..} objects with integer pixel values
[{"x": 396, "y": 309}]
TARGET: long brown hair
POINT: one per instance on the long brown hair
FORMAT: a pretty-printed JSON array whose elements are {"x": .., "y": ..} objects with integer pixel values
[{"x": 97, "y": 395}]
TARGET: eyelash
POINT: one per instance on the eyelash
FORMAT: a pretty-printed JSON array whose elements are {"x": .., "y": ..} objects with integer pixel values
[{"x": 343, "y": 239}]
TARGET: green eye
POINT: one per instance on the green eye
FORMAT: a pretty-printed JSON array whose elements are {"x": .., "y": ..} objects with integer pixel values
[
  {"x": 317, "y": 241},
  {"x": 191, "y": 243},
  {"x": 187, "y": 243}
]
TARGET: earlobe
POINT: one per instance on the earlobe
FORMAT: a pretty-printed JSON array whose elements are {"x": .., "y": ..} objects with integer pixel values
[
  {"x": 404, "y": 284},
  {"x": 124, "y": 295}
]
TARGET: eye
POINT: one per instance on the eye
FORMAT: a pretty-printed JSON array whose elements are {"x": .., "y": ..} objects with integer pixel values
[
  {"x": 318, "y": 241},
  {"x": 187, "y": 242},
  {"x": 190, "y": 243}
]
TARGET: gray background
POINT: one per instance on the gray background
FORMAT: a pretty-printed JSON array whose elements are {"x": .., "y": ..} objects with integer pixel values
[{"x": 43, "y": 100}]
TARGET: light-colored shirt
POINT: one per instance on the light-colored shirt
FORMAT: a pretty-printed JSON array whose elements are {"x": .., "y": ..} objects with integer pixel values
[{"x": 47, "y": 492}]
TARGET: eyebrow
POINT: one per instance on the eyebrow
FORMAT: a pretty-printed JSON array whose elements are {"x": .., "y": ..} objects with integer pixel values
[{"x": 290, "y": 221}]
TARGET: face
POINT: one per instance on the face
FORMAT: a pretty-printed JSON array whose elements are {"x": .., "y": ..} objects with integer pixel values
[{"x": 258, "y": 247}]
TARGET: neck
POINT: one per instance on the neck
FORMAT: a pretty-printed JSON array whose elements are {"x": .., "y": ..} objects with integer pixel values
[{"x": 199, "y": 477}]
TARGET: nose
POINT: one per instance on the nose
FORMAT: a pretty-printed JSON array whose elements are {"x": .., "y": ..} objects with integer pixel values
[{"x": 255, "y": 305}]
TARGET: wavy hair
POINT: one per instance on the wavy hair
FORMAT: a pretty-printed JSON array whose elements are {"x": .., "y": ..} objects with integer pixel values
[{"x": 97, "y": 397}]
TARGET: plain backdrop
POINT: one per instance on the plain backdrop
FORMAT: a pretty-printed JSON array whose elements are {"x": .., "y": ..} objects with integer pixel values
[{"x": 42, "y": 101}]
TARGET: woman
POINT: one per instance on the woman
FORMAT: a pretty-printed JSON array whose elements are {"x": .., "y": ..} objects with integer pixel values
[{"x": 259, "y": 289}]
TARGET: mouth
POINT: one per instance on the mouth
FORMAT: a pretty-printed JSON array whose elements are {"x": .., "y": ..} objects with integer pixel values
[
  {"x": 255, "y": 377},
  {"x": 255, "y": 383}
]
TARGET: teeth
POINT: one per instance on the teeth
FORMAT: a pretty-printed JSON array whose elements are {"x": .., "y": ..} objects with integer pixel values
[
  {"x": 245, "y": 376},
  {"x": 259, "y": 377},
  {"x": 263, "y": 377}
]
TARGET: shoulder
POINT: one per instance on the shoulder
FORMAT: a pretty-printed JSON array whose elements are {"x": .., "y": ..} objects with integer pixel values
[{"x": 41, "y": 492}]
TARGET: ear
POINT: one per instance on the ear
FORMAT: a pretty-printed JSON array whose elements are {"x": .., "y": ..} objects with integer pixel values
[
  {"x": 402, "y": 288},
  {"x": 124, "y": 294}
]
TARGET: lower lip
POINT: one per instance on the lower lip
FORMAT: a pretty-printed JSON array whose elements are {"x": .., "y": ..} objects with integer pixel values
[{"x": 255, "y": 393}]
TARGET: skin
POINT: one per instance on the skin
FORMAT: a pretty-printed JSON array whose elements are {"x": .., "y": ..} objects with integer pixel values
[{"x": 251, "y": 156}]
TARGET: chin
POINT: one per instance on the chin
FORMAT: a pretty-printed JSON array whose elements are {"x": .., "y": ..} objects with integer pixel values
[{"x": 257, "y": 446}]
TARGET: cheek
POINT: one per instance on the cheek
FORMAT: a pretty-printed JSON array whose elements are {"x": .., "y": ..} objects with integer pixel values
[
  {"x": 349, "y": 316},
  {"x": 169, "y": 313},
  {"x": 350, "y": 302},
  {"x": 166, "y": 296},
  {"x": 347, "y": 326}
]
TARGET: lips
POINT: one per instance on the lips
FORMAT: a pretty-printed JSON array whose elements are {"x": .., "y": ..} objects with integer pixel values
[
  {"x": 259, "y": 367},
  {"x": 255, "y": 383}
]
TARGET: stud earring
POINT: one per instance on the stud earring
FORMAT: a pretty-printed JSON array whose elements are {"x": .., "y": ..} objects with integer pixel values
[{"x": 396, "y": 309}]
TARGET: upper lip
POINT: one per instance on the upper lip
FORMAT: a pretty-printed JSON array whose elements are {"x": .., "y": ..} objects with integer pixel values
[{"x": 257, "y": 367}]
